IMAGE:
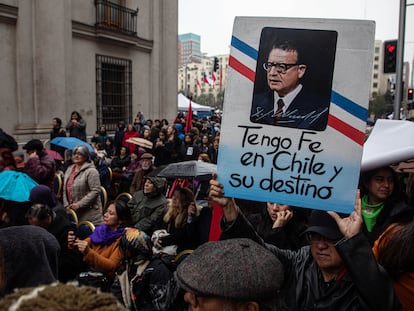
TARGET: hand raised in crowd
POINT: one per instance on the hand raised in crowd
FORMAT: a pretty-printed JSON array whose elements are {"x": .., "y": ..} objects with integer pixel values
[
  {"x": 282, "y": 219},
  {"x": 351, "y": 225},
  {"x": 216, "y": 195}
]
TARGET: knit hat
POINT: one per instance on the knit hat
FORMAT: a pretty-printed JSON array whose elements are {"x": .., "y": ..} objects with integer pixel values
[
  {"x": 322, "y": 223},
  {"x": 34, "y": 144},
  {"x": 158, "y": 182},
  {"x": 43, "y": 195},
  {"x": 236, "y": 269}
]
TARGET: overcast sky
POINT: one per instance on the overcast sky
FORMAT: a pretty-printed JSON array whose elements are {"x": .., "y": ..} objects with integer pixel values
[{"x": 213, "y": 19}]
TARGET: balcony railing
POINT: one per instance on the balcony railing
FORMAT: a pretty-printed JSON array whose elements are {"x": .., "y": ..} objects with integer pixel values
[{"x": 110, "y": 16}]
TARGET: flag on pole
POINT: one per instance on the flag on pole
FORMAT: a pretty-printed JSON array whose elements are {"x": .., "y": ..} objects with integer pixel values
[
  {"x": 213, "y": 78},
  {"x": 189, "y": 118},
  {"x": 198, "y": 84},
  {"x": 205, "y": 79}
]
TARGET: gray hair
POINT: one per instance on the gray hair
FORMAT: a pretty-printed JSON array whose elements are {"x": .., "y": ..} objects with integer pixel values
[{"x": 82, "y": 149}]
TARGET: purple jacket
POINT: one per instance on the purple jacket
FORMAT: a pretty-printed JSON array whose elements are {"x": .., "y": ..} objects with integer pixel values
[{"x": 41, "y": 169}]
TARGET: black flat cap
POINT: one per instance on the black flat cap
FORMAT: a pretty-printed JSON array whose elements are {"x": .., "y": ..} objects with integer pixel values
[
  {"x": 235, "y": 269},
  {"x": 321, "y": 222},
  {"x": 34, "y": 144}
]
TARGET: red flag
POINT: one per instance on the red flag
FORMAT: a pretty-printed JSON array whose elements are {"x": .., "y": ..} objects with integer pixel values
[
  {"x": 198, "y": 84},
  {"x": 189, "y": 119},
  {"x": 213, "y": 77}
]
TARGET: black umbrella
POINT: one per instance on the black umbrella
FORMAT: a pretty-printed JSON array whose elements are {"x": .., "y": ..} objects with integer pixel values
[{"x": 186, "y": 169}]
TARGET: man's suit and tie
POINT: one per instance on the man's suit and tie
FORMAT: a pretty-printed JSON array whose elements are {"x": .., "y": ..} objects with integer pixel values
[{"x": 306, "y": 111}]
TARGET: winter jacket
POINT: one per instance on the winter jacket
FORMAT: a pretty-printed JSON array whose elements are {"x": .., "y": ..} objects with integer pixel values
[
  {"x": 147, "y": 210},
  {"x": 104, "y": 258},
  {"x": 86, "y": 192},
  {"x": 42, "y": 169},
  {"x": 363, "y": 285}
]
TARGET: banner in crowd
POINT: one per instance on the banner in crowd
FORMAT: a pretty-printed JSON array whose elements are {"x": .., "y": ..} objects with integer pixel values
[{"x": 295, "y": 110}]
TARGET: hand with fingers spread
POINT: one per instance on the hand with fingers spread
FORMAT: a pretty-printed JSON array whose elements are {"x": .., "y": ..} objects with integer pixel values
[{"x": 351, "y": 225}]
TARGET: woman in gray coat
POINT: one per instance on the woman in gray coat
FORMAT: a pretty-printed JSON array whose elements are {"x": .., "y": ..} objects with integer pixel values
[{"x": 82, "y": 187}]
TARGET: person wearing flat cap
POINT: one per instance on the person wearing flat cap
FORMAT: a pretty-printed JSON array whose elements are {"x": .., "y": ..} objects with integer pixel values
[
  {"x": 40, "y": 166},
  {"x": 234, "y": 274},
  {"x": 337, "y": 271}
]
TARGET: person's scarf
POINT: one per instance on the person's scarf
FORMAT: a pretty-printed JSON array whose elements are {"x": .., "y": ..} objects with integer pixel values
[
  {"x": 104, "y": 235},
  {"x": 370, "y": 212}
]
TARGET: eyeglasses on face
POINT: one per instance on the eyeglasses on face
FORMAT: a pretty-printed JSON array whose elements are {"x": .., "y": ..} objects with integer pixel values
[
  {"x": 280, "y": 67},
  {"x": 314, "y": 237}
]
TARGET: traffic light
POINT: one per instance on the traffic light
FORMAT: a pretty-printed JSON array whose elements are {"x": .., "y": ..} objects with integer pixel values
[
  {"x": 216, "y": 64},
  {"x": 390, "y": 56},
  {"x": 410, "y": 94}
]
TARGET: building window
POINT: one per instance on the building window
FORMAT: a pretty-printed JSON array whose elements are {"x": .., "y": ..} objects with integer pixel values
[
  {"x": 375, "y": 85},
  {"x": 376, "y": 66},
  {"x": 113, "y": 91}
]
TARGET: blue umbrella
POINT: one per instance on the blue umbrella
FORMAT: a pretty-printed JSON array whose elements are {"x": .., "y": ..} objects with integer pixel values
[
  {"x": 70, "y": 142},
  {"x": 15, "y": 186}
]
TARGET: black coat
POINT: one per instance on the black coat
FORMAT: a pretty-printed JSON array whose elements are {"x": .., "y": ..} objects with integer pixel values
[{"x": 363, "y": 285}]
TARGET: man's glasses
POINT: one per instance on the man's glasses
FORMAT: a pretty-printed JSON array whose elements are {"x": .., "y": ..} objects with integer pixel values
[
  {"x": 314, "y": 237},
  {"x": 280, "y": 67}
]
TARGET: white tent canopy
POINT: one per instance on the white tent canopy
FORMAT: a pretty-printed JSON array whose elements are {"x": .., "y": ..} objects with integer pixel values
[{"x": 184, "y": 102}]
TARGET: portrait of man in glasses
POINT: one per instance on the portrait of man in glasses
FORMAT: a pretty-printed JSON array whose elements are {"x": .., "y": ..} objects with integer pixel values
[{"x": 286, "y": 100}]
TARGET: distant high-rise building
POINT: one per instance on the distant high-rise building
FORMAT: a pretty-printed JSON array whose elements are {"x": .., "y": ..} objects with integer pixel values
[{"x": 189, "y": 50}]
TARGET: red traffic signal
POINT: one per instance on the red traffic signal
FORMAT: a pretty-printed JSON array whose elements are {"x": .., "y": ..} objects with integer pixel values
[
  {"x": 391, "y": 48},
  {"x": 410, "y": 94},
  {"x": 390, "y": 56}
]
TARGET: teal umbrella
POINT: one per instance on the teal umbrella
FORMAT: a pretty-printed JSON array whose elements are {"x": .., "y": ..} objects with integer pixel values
[{"x": 15, "y": 186}]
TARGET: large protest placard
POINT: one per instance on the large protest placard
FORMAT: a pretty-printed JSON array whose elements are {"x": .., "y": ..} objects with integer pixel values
[{"x": 295, "y": 111}]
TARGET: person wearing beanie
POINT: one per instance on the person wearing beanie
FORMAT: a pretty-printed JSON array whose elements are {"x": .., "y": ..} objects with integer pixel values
[
  {"x": 42, "y": 194},
  {"x": 234, "y": 274},
  {"x": 337, "y": 271},
  {"x": 40, "y": 166},
  {"x": 28, "y": 257},
  {"x": 147, "y": 205}
]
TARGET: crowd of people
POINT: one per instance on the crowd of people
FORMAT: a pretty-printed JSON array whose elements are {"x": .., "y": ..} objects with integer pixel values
[{"x": 149, "y": 248}]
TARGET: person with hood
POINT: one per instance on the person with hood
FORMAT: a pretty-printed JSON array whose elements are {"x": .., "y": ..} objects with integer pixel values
[
  {"x": 148, "y": 205},
  {"x": 81, "y": 189},
  {"x": 28, "y": 257},
  {"x": 180, "y": 133},
  {"x": 40, "y": 166}
]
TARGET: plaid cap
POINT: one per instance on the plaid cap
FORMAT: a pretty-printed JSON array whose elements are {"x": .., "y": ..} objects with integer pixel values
[{"x": 235, "y": 269}]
